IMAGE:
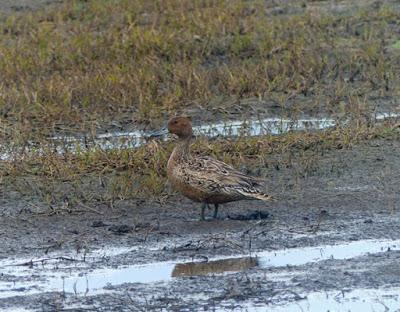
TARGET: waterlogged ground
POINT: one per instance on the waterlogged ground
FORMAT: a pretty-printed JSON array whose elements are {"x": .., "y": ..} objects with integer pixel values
[{"x": 331, "y": 242}]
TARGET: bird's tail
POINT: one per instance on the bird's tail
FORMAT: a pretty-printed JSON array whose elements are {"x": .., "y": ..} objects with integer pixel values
[
  {"x": 256, "y": 194},
  {"x": 263, "y": 196}
]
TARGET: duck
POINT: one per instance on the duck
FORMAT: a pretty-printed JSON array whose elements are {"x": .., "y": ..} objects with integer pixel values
[{"x": 204, "y": 179}]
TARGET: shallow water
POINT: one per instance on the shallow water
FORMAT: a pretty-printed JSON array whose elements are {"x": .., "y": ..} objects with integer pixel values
[
  {"x": 84, "y": 278},
  {"x": 251, "y": 127},
  {"x": 358, "y": 300},
  {"x": 15, "y": 309},
  {"x": 132, "y": 139}
]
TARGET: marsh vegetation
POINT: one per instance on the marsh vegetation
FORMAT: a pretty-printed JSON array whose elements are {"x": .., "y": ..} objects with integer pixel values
[{"x": 88, "y": 67}]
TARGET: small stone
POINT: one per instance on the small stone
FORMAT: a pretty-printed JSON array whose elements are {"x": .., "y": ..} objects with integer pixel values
[
  {"x": 120, "y": 229},
  {"x": 98, "y": 223}
]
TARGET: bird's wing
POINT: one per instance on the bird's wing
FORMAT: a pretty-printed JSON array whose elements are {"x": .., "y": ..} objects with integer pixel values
[
  {"x": 227, "y": 173},
  {"x": 217, "y": 176}
]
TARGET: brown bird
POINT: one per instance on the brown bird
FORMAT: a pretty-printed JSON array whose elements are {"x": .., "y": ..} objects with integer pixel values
[{"x": 204, "y": 179}]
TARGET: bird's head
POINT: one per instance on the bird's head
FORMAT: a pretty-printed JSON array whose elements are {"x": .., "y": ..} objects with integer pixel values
[{"x": 181, "y": 126}]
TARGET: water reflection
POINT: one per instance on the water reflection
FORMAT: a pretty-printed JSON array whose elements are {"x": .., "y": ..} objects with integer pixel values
[{"x": 214, "y": 267}]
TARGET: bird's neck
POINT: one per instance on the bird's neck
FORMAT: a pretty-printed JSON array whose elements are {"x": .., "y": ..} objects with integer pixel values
[{"x": 181, "y": 151}]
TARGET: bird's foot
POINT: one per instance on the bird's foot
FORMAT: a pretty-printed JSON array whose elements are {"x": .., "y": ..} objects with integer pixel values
[{"x": 215, "y": 215}]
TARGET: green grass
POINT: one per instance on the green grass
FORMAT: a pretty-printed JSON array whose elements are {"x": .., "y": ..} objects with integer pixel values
[{"x": 396, "y": 45}]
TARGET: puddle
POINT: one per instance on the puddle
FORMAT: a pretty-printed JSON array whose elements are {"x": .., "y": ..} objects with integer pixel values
[
  {"x": 253, "y": 127},
  {"x": 365, "y": 300},
  {"x": 356, "y": 188},
  {"x": 133, "y": 139},
  {"x": 300, "y": 256},
  {"x": 99, "y": 279},
  {"x": 15, "y": 309},
  {"x": 85, "y": 278}
]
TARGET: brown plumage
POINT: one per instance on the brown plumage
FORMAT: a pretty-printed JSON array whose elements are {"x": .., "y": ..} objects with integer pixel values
[{"x": 205, "y": 179}]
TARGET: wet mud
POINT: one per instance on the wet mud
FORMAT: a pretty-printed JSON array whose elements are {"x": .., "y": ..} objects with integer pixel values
[{"x": 331, "y": 242}]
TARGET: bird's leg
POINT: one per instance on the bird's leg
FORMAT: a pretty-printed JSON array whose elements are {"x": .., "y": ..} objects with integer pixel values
[
  {"x": 215, "y": 211},
  {"x": 203, "y": 207}
]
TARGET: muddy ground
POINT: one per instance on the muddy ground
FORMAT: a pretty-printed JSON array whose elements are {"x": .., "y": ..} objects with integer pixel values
[{"x": 344, "y": 196}]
